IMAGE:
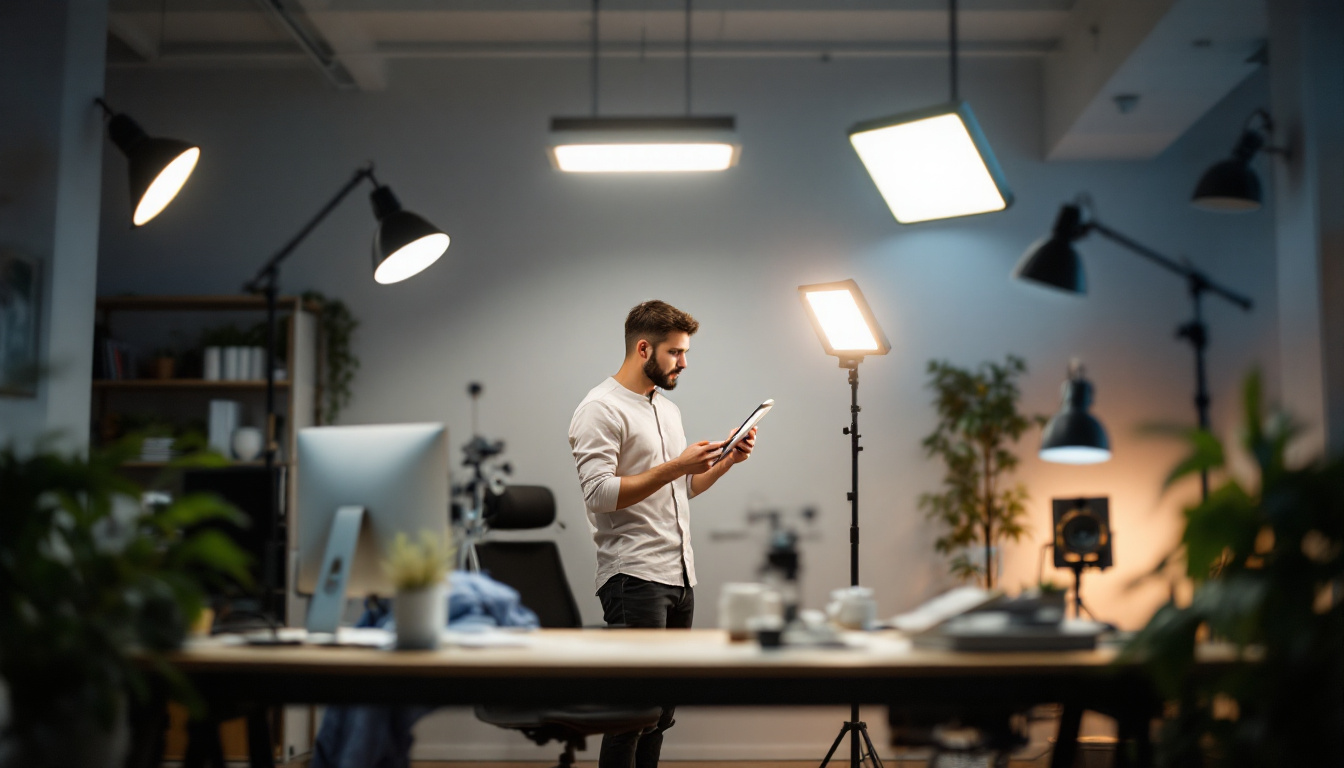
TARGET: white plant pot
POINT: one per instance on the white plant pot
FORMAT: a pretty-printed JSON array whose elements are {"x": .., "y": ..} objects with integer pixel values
[{"x": 421, "y": 616}]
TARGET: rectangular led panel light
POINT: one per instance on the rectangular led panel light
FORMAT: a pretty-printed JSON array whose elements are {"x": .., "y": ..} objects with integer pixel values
[
  {"x": 843, "y": 321},
  {"x": 643, "y": 144},
  {"x": 931, "y": 164}
]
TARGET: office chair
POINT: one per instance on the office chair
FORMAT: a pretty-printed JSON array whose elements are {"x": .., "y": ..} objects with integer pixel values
[{"x": 534, "y": 569}]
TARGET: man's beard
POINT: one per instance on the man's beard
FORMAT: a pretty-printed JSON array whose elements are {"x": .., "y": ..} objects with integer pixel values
[{"x": 658, "y": 376}]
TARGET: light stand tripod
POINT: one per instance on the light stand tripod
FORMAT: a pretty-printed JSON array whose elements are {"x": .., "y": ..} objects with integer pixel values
[
  {"x": 854, "y": 727},
  {"x": 847, "y": 329}
]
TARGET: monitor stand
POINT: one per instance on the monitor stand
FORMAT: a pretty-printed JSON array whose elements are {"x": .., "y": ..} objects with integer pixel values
[{"x": 328, "y": 603}]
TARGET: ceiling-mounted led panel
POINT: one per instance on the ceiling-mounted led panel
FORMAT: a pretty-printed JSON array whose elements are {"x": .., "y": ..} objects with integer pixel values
[
  {"x": 931, "y": 164},
  {"x": 643, "y": 145}
]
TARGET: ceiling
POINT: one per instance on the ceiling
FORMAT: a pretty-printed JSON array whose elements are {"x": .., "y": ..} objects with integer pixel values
[{"x": 1179, "y": 56}]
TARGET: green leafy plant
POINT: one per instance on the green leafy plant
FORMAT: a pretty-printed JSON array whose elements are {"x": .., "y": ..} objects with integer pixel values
[
  {"x": 418, "y": 564},
  {"x": 978, "y": 425},
  {"x": 340, "y": 364},
  {"x": 95, "y": 588},
  {"x": 1267, "y": 565}
]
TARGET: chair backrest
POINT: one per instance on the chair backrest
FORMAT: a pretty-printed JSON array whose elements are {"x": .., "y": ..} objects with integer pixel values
[{"x": 534, "y": 569}]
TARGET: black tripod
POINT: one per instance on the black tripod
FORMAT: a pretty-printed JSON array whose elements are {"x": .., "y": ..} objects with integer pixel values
[{"x": 855, "y": 727}]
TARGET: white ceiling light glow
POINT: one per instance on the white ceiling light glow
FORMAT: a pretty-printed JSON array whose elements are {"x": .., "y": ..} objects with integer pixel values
[
  {"x": 932, "y": 164},
  {"x": 643, "y": 145}
]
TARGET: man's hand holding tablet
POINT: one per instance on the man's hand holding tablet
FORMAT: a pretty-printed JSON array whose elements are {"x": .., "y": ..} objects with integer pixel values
[{"x": 743, "y": 438}]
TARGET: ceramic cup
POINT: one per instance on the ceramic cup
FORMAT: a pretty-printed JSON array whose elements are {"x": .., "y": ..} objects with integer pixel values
[
  {"x": 853, "y": 608},
  {"x": 739, "y": 604},
  {"x": 247, "y": 443}
]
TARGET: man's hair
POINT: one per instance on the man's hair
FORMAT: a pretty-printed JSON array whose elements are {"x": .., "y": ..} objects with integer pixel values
[{"x": 653, "y": 321}]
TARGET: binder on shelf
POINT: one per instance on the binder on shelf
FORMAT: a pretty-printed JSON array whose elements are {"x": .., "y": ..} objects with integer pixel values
[{"x": 223, "y": 421}]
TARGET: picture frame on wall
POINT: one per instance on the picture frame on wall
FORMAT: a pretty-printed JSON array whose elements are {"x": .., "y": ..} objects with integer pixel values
[{"x": 20, "y": 300}]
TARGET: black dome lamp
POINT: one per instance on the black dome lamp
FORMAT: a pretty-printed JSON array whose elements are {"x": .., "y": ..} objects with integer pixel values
[
  {"x": 1232, "y": 186},
  {"x": 1074, "y": 436},
  {"x": 158, "y": 167},
  {"x": 1052, "y": 261}
]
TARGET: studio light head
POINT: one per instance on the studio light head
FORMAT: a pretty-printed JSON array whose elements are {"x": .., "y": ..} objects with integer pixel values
[{"x": 1082, "y": 533}]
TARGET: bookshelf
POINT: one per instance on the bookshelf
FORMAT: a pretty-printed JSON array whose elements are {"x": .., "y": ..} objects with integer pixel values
[{"x": 142, "y": 323}]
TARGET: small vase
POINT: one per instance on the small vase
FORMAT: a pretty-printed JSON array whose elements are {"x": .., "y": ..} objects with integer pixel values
[
  {"x": 247, "y": 443},
  {"x": 421, "y": 616},
  {"x": 212, "y": 364}
]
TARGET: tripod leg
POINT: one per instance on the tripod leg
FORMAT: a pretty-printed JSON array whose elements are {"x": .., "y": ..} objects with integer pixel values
[
  {"x": 834, "y": 745},
  {"x": 872, "y": 751}
]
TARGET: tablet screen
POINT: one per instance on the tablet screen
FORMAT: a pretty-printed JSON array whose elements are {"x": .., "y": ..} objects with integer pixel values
[{"x": 745, "y": 429}]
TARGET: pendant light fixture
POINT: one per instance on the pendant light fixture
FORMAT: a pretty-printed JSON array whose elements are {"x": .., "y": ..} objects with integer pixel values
[
  {"x": 643, "y": 144},
  {"x": 158, "y": 167},
  {"x": 1074, "y": 436},
  {"x": 933, "y": 163}
]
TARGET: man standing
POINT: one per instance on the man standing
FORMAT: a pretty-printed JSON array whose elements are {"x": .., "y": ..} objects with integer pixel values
[{"x": 638, "y": 476}]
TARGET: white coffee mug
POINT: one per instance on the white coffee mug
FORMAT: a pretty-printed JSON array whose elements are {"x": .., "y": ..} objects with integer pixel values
[
  {"x": 853, "y": 608},
  {"x": 739, "y": 603},
  {"x": 247, "y": 443}
]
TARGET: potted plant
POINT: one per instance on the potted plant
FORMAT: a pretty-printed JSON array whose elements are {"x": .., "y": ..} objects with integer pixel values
[
  {"x": 978, "y": 426},
  {"x": 339, "y": 362},
  {"x": 163, "y": 363},
  {"x": 419, "y": 570},
  {"x": 94, "y": 590},
  {"x": 1267, "y": 559}
]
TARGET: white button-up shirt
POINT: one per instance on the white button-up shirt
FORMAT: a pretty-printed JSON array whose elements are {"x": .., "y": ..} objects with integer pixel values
[{"x": 616, "y": 433}]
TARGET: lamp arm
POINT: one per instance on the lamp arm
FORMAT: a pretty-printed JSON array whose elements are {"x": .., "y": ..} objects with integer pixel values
[
  {"x": 266, "y": 274},
  {"x": 1197, "y": 279}
]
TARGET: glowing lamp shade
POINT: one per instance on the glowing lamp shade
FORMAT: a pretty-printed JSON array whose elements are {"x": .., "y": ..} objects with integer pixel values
[
  {"x": 643, "y": 145},
  {"x": 843, "y": 320},
  {"x": 932, "y": 164},
  {"x": 158, "y": 167},
  {"x": 1074, "y": 436},
  {"x": 405, "y": 244}
]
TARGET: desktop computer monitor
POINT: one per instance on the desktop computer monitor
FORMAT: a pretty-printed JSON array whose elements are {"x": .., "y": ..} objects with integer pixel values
[{"x": 358, "y": 487}]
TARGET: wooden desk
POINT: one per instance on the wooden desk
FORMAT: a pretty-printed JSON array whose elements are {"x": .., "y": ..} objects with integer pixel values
[{"x": 687, "y": 668}]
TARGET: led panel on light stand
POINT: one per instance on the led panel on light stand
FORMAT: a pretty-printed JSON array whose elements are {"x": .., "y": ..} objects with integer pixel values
[
  {"x": 643, "y": 145},
  {"x": 931, "y": 164},
  {"x": 843, "y": 321}
]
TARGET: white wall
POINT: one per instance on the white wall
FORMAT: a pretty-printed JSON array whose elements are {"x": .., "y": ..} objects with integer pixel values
[
  {"x": 51, "y": 54},
  {"x": 530, "y": 298}
]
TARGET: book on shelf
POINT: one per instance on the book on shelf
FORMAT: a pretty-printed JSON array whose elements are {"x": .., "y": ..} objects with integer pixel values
[{"x": 223, "y": 421}]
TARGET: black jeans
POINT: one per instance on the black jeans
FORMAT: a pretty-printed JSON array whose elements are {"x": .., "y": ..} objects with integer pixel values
[{"x": 639, "y": 604}]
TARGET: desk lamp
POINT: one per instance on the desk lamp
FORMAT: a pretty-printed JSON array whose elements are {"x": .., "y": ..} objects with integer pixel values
[
  {"x": 1053, "y": 262},
  {"x": 403, "y": 246},
  {"x": 847, "y": 329}
]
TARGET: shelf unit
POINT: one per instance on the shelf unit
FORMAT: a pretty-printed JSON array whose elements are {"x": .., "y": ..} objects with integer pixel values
[{"x": 298, "y": 400}]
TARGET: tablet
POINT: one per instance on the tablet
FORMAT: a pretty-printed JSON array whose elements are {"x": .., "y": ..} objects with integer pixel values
[{"x": 745, "y": 429}]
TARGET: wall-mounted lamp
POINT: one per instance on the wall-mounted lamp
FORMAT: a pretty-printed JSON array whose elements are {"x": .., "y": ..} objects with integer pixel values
[
  {"x": 933, "y": 163},
  {"x": 158, "y": 167},
  {"x": 1074, "y": 436},
  {"x": 1232, "y": 186},
  {"x": 643, "y": 144}
]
